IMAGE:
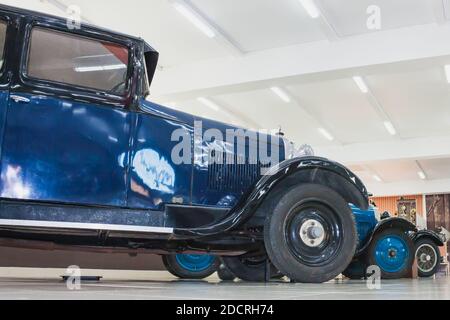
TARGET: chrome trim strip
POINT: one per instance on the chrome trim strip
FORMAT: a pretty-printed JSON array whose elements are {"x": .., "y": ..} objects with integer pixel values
[{"x": 85, "y": 226}]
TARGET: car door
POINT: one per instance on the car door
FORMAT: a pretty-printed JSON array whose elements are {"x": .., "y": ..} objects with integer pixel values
[
  {"x": 67, "y": 131},
  {"x": 7, "y": 36}
]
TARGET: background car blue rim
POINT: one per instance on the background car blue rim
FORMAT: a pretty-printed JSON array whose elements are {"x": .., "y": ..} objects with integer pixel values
[
  {"x": 195, "y": 262},
  {"x": 391, "y": 253}
]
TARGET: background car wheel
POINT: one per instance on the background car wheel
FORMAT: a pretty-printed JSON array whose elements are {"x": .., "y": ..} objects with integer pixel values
[
  {"x": 393, "y": 251},
  {"x": 224, "y": 274},
  {"x": 249, "y": 268},
  {"x": 191, "y": 266},
  {"x": 356, "y": 270},
  {"x": 428, "y": 257},
  {"x": 311, "y": 235}
]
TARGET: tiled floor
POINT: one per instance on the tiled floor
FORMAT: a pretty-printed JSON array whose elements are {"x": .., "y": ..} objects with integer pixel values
[{"x": 163, "y": 286}]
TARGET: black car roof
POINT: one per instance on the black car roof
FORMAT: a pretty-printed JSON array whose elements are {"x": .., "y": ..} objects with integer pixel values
[{"x": 27, "y": 12}]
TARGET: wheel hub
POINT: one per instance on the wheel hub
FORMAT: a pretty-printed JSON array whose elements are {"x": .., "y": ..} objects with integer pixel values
[
  {"x": 427, "y": 258},
  {"x": 312, "y": 233}
]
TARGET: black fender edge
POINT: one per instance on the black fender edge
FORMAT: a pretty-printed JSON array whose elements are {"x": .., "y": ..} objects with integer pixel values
[
  {"x": 430, "y": 235},
  {"x": 290, "y": 172}
]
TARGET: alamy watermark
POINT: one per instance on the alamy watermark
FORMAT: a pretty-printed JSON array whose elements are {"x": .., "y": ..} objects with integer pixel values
[
  {"x": 374, "y": 19},
  {"x": 232, "y": 146},
  {"x": 73, "y": 20},
  {"x": 73, "y": 278},
  {"x": 373, "y": 281}
]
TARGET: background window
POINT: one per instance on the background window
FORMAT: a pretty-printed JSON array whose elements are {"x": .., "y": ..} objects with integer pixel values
[{"x": 62, "y": 57}]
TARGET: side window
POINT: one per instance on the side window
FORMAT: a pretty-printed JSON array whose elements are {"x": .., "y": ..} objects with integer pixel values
[
  {"x": 3, "y": 27},
  {"x": 62, "y": 57}
]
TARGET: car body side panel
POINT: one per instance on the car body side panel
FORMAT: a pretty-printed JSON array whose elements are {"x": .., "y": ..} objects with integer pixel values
[
  {"x": 4, "y": 97},
  {"x": 57, "y": 150},
  {"x": 155, "y": 179}
]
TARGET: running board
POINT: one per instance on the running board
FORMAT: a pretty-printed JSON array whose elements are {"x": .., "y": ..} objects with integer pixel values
[
  {"x": 25, "y": 214},
  {"x": 83, "y": 226}
]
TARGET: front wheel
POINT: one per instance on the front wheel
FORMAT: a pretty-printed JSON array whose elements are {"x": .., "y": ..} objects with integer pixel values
[
  {"x": 191, "y": 266},
  {"x": 311, "y": 235},
  {"x": 393, "y": 252},
  {"x": 428, "y": 257}
]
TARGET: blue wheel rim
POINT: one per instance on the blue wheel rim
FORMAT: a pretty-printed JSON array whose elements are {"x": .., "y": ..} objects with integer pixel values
[
  {"x": 391, "y": 253},
  {"x": 195, "y": 262}
]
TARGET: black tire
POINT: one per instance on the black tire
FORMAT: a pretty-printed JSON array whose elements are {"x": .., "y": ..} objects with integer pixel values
[
  {"x": 381, "y": 257},
  {"x": 252, "y": 269},
  {"x": 356, "y": 270},
  {"x": 428, "y": 257},
  {"x": 173, "y": 266},
  {"x": 224, "y": 274},
  {"x": 305, "y": 205}
]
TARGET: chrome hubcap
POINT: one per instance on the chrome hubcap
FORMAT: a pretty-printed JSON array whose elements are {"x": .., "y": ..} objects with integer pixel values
[
  {"x": 427, "y": 258},
  {"x": 312, "y": 233}
]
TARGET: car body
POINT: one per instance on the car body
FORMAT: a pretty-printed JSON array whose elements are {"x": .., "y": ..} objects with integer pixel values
[{"x": 87, "y": 160}]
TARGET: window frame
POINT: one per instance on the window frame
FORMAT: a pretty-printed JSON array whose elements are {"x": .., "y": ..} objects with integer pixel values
[
  {"x": 76, "y": 91},
  {"x": 7, "y": 21}
]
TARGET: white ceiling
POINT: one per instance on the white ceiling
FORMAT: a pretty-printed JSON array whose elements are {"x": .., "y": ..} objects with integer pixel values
[{"x": 411, "y": 91}]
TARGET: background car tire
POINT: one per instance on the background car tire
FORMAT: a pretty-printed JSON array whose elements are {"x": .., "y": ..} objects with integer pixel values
[
  {"x": 356, "y": 270},
  {"x": 290, "y": 253},
  {"x": 224, "y": 274},
  {"x": 191, "y": 266},
  {"x": 427, "y": 268},
  {"x": 252, "y": 269},
  {"x": 393, "y": 251}
]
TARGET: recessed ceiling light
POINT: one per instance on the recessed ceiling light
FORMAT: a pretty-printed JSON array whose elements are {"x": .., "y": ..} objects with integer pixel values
[
  {"x": 209, "y": 103},
  {"x": 310, "y": 8},
  {"x": 377, "y": 178},
  {"x": 281, "y": 94},
  {"x": 361, "y": 84},
  {"x": 422, "y": 175},
  {"x": 326, "y": 134},
  {"x": 194, "y": 18},
  {"x": 390, "y": 128}
]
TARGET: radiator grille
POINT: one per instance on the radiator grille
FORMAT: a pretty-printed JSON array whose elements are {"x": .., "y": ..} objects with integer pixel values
[{"x": 234, "y": 173}]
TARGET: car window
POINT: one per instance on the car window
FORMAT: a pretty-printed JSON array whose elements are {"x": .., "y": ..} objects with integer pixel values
[
  {"x": 62, "y": 57},
  {"x": 2, "y": 42}
]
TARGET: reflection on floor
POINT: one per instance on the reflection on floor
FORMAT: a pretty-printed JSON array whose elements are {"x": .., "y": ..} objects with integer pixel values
[{"x": 164, "y": 286}]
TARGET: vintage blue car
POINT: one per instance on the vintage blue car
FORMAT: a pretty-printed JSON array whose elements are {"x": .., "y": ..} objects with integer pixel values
[{"x": 87, "y": 160}]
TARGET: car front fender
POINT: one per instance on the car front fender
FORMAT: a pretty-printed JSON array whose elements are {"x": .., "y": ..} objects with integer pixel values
[{"x": 279, "y": 179}]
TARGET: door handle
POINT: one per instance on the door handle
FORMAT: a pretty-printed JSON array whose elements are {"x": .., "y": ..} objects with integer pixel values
[{"x": 20, "y": 99}]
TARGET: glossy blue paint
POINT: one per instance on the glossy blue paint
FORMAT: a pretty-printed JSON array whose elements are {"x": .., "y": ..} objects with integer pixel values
[
  {"x": 391, "y": 253},
  {"x": 4, "y": 96},
  {"x": 231, "y": 179},
  {"x": 366, "y": 222},
  {"x": 64, "y": 151},
  {"x": 155, "y": 179},
  {"x": 195, "y": 262}
]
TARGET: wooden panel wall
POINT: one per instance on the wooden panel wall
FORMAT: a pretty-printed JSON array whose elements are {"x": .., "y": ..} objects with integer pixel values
[
  {"x": 439, "y": 216},
  {"x": 390, "y": 203}
]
